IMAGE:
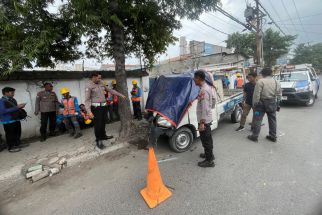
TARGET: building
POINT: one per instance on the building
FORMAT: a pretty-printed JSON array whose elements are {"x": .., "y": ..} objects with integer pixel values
[{"x": 28, "y": 83}]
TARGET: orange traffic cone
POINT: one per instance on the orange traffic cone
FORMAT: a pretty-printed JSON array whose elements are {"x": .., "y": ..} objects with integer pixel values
[{"x": 155, "y": 191}]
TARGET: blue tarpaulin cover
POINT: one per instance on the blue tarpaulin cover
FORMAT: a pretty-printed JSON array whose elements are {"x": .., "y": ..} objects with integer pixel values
[{"x": 170, "y": 96}]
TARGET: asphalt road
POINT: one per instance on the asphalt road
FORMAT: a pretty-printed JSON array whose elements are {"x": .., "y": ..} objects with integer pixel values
[{"x": 249, "y": 178}]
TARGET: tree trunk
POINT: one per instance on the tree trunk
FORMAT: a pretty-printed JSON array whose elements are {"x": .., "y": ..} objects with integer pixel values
[{"x": 117, "y": 34}]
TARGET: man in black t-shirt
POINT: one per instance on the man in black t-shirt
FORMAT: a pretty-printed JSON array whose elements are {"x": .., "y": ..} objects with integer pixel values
[{"x": 248, "y": 98}]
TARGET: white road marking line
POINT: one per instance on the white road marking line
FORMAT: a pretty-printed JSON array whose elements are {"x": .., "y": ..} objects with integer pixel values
[{"x": 165, "y": 160}]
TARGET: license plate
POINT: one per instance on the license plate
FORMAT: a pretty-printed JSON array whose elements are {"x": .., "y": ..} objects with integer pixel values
[{"x": 284, "y": 97}]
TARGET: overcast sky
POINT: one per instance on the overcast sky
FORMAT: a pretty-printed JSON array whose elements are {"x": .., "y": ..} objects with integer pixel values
[{"x": 290, "y": 16}]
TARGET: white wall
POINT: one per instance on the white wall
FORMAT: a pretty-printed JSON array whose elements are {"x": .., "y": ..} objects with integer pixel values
[{"x": 26, "y": 91}]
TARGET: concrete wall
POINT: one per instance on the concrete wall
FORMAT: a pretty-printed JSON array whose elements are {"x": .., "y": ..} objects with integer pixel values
[
  {"x": 26, "y": 91},
  {"x": 191, "y": 64}
]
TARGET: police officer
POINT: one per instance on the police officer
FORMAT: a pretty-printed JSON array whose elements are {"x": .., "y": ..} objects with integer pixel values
[
  {"x": 266, "y": 99},
  {"x": 204, "y": 117},
  {"x": 95, "y": 104},
  {"x": 48, "y": 106}
]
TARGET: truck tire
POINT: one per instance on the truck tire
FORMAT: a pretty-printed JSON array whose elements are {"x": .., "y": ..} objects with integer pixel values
[
  {"x": 236, "y": 115},
  {"x": 311, "y": 101},
  {"x": 181, "y": 140}
]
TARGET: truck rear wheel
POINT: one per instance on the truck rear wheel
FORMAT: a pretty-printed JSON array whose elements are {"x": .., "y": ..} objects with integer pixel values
[
  {"x": 181, "y": 140},
  {"x": 236, "y": 115}
]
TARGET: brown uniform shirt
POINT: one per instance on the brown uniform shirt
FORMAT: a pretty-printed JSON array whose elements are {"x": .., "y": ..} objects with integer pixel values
[
  {"x": 46, "y": 102},
  {"x": 205, "y": 104},
  {"x": 95, "y": 93}
]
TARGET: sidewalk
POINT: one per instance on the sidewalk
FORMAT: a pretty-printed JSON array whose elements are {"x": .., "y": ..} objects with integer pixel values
[{"x": 74, "y": 150}]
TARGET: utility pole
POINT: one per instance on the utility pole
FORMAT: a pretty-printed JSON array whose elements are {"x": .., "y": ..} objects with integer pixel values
[
  {"x": 258, "y": 36},
  {"x": 254, "y": 18}
]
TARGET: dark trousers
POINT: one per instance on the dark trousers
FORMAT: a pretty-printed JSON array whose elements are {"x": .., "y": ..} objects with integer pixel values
[
  {"x": 109, "y": 113},
  {"x": 13, "y": 134},
  {"x": 45, "y": 117},
  {"x": 269, "y": 107},
  {"x": 207, "y": 142},
  {"x": 100, "y": 114},
  {"x": 116, "y": 110},
  {"x": 137, "y": 110},
  {"x": 271, "y": 123},
  {"x": 72, "y": 125}
]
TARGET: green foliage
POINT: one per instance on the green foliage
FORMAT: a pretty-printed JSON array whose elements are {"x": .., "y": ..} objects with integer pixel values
[
  {"x": 311, "y": 54},
  {"x": 275, "y": 45},
  {"x": 29, "y": 35}
]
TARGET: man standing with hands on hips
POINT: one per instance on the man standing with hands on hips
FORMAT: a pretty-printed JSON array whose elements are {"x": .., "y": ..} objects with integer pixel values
[
  {"x": 204, "y": 117},
  {"x": 95, "y": 104},
  {"x": 47, "y": 105}
]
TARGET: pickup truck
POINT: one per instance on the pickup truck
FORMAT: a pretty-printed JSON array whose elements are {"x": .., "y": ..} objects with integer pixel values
[
  {"x": 300, "y": 84},
  {"x": 172, "y": 103}
]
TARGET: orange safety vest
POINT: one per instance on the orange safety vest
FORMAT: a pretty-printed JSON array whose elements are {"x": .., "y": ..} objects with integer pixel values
[
  {"x": 69, "y": 106},
  {"x": 135, "y": 99},
  {"x": 240, "y": 82},
  {"x": 84, "y": 115}
]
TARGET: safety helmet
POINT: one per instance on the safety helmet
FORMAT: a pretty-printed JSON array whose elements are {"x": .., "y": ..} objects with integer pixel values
[
  {"x": 134, "y": 82},
  {"x": 88, "y": 121},
  {"x": 64, "y": 90},
  {"x": 238, "y": 74},
  {"x": 105, "y": 83},
  {"x": 113, "y": 82},
  {"x": 226, "y": 75}
]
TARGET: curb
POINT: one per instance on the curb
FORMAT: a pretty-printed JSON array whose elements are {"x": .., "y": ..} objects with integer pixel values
[{"x": 14, "y": 173}]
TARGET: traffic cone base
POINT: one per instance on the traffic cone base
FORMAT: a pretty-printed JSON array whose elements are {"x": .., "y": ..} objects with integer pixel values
[
  {"x": 155, "y": 191},
  {"x": 152, "y": 203}
]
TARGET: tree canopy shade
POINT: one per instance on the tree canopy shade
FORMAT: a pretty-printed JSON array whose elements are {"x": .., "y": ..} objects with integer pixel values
[
  {"x": 275, "y": 45},
  {"x": 29, "y": 35},
  {"x": 111, "y": 28},
  {"x": 311, "y": 54}
]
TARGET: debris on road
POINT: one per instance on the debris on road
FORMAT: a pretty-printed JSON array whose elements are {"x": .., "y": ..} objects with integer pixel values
[
  {"x": 44, "y": 167},
  {"x": 40, "y": 176}
]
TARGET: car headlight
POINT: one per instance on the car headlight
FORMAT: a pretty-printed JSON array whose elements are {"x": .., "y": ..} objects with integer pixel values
[
  {"x": 161, "y": 121},
  {"x": 302, "y": 89}
]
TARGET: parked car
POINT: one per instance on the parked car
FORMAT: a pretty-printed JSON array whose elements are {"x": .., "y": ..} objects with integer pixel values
[
  {"x": 300, "y": 84},
  {"x": 172, "y": 100}
]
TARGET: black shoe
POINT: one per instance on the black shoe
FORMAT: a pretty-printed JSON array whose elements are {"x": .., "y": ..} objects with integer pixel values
[
  {"x": 206, "y": 163},
  {"x": 14, "y": 149},
  {"x": 43, "y": 139},
  {"x": 240, "y": 128},
  {"x": 270, "y": 138},
  {"x": 202, "y": 155},
  {"x": 100, "y": 145},
  {"x": 252, "y": 138},
  {"x": 107, "y": 137}
]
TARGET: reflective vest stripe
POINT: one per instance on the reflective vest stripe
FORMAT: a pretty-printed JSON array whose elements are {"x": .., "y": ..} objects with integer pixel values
[{"x": 69, "y": 106}]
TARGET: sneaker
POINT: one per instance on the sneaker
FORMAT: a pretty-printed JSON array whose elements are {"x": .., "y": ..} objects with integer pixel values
[
  {"x": 14, "y": 149},
  {"x": 206, "y": 163},
  {"x": 252, "y": 138},
  {"x": 240, "y": 128},
  {"x": 272, "y": 139},
  {"x": 78, "y": 135}
]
